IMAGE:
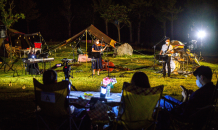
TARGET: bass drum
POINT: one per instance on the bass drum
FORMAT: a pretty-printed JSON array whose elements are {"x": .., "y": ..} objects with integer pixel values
[{"x": 174, "y": 65}]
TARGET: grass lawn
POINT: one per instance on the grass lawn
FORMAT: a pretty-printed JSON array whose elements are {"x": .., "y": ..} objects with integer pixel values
[{"x": 17, "y": 94}]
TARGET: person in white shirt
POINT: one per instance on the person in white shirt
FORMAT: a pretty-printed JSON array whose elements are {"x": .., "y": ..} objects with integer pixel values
[{"x": 166, "y": 49}]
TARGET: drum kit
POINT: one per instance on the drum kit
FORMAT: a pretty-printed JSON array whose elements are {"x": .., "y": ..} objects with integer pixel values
[{"x": 181, "y": 60}]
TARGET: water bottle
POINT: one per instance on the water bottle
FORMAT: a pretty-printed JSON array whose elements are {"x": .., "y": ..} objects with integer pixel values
[{"x": 108, "y": 91}]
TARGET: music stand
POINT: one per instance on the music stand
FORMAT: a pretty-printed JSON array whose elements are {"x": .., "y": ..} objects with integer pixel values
[
  {"x": 155, "y": 48},
  {"x": 163, "y": 59}
]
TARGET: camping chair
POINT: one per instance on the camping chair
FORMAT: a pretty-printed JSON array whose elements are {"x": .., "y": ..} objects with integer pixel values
[
  {"x": 52, "y": 105},
  {"x": 200, "y": 119},
  {"x": 98, "y": 112},
  {"x": 137, "y": 107}
]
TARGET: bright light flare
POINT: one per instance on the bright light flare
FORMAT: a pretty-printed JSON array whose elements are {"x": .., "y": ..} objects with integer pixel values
[{"x": 201, "y": 34}]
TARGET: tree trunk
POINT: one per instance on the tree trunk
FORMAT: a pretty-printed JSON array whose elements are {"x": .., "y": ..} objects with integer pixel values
[
  {"x": 172, "y": 27},
  {"x": 106, "y": 24},
  {"x": 118, "y": 29},
  {"x": 69, "y": 29},
  {"x": 139, "y": 26},
  {"x": 130, "y": 32}
]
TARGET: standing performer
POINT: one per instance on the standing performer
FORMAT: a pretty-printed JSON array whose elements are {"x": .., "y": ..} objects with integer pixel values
[
  {"x": 32, "y": 55},
  {"x": 166, "y": 49},
  {"x": 98, "y": 64}
]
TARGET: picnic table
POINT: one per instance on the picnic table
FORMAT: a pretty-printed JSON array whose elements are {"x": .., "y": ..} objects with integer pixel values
[{"x": 100, "y": 111}]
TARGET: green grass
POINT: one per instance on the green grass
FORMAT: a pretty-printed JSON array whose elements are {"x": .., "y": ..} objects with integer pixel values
[
  {"x": 82, "y": 71},
  {"x": 17, "y": 95}
]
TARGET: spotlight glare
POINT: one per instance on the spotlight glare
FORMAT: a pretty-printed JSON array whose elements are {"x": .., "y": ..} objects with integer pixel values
[{"x": 201, "y": 34}]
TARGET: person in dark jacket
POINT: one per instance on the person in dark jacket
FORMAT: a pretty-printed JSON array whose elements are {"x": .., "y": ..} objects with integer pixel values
[{"x": 200, "y": 98}]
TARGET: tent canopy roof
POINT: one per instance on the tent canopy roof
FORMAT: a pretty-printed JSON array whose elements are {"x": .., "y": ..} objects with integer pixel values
[{"x": 95, "y": 32}]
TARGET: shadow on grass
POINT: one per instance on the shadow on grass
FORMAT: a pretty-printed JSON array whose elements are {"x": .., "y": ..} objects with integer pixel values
[{"x": 17, "y": 110}]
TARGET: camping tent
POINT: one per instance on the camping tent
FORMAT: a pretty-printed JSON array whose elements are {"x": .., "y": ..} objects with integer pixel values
[
  {"x": 19, "y": 40},
  {"x": 95, "y": 32}
]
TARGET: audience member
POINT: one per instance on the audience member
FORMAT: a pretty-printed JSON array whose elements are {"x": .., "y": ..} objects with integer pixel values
[
  {"x": 50, "y": 77},
  {"x": 140, "y": 79},
  {"x": 198, "y": 99}
]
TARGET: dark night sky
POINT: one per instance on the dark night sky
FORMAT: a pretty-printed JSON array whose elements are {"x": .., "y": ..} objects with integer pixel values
[{"x": 53, "y": 25}]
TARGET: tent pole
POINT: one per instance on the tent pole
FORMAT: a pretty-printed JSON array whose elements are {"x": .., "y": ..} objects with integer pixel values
[{"x": 86, "y": 49}]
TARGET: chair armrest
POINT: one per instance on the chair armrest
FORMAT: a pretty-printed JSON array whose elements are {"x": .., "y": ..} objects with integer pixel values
[
  {"x": 200, "y": 111},
  {"x": 173, "y": 103}
]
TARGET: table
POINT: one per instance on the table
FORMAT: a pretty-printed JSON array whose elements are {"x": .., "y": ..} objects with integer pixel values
[
  {"x": 83, "y": 58},
  {"x": 27, "y": 50},
  {"x": 114, "y": 98},
  {"x": 101, "y": 109},
  {"x": 33, "y": 61}
]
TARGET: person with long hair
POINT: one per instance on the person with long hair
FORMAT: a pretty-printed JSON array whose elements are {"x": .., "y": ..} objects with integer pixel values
[
  {"x": 97, "y": 65},
  {"x": 140, "y": 79}
]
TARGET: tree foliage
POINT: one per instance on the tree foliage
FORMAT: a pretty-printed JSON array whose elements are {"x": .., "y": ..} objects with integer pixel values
[
  {"x": 118, "y": 15},
  {"x": 8, "y": 18},
  {"x": 101, "y": 6},
  {"x": 28, "y": 8},
  {"x": 172, "y": 11},
  {"x": 140, "y": 11}
]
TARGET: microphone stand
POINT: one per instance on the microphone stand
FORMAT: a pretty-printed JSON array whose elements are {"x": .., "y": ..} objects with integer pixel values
[{"x": 154, "y": 49}]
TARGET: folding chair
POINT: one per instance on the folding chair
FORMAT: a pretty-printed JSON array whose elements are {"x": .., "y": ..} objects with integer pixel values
[
  {"x": 137, "y": 107},
  {"x": 53, "y": 103},
  {"x": 200, "y": 119},
  {"x": 98, "y": 112}
]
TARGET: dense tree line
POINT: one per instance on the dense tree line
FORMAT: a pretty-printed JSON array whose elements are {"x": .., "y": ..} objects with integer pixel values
[{"x": 142, "y": 22}]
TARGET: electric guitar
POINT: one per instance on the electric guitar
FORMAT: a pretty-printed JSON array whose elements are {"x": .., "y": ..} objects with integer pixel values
[{"x": 168, "y": 52}]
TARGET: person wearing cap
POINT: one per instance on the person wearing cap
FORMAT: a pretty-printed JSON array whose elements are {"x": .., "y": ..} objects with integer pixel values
[
  {"x": 200, "y": 98},
  {"x": 166, "y": 49}
]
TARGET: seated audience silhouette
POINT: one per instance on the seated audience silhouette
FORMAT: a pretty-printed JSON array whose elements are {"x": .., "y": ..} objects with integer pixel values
[
  {"x": 140, "y": 79},
  {"x": 198, "y": 99},
  {"x": 50, "y": 77}
]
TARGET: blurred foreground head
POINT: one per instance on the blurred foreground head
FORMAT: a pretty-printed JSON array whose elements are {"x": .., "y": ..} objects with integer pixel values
[
  {"x": 49, "y": 77},
  {"x": 140, "y": 79}
]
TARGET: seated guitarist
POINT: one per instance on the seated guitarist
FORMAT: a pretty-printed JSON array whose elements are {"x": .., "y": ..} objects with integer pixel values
[{"x": 166, "y": 49}]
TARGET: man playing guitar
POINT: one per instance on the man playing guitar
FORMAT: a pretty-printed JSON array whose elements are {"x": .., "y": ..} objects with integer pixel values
[{"x": 166, "y": 49}]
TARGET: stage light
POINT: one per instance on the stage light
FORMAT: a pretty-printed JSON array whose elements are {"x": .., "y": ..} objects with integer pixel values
[{"x": 201, "y": 34}]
